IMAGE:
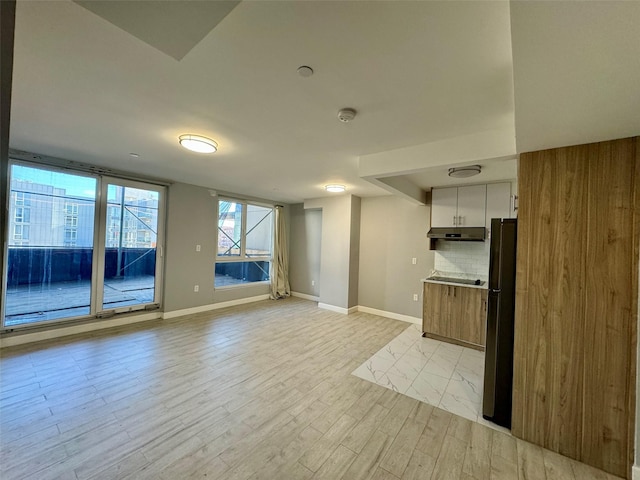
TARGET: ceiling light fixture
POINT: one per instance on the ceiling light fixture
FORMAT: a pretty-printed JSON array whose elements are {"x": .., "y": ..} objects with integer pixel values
[
  {"x": 197, "y": 143},
  {"x": 464, "y": 172},
  {"x": 335, "y": 188}
]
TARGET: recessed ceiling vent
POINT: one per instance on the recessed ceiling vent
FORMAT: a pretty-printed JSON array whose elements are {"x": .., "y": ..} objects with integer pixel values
[{"x": 346, "y": 114}]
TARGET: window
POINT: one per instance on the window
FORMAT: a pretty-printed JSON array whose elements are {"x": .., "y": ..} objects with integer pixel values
[
  {"x": 71, "y": 208},
  {"x": 54, "y": 236},
  {"x": 245, "y": 239},
  {"x": 22, "y": 215},
  {"x": 21, "y": 232},
  {"x": 70, "y": 237},
  {"x": 19, "y": 214}
]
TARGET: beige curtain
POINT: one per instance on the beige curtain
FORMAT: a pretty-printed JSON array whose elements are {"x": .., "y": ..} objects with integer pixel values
[{"x": 280, "y": 266}]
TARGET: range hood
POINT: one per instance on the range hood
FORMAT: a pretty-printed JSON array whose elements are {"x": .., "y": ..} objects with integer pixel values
[{"x": 467, "y": 234}]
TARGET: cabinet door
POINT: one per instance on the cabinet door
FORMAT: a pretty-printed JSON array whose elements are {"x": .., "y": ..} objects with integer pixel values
[
  {"x": 471, "y": 316},
  {"x": 444, "y": 206},
  {"x": 498, "y": 201},
  {"x": 434, "y": 309},
  {"x": 471, "y": 206}
]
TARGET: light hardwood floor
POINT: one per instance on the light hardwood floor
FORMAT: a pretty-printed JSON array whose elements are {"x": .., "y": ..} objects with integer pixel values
[{"x": 261, "y": 391}]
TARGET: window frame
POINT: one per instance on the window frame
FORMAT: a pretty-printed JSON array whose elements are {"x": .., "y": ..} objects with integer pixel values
[{"x": 243, "y": 258}]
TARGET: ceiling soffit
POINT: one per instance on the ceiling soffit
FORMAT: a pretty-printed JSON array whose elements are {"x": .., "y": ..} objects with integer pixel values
[{"x": 174, "y": 28}]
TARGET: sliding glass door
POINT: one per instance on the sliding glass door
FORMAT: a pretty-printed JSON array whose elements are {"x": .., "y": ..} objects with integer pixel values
[
  {"x": 79, "y": 245},
  {"x": 130, "y": 254}
]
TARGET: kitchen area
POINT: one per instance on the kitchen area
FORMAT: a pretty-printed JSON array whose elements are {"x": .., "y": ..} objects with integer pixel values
[{"x": 442, "y": 362}]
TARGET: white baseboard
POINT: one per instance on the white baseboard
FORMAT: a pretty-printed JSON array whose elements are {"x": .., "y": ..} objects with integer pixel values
[
  {"x": 305, "y": 296},
  {"x": 635, "y": 472},
  {"x": 74, "y": 329},
  {"x": 395, "y": 316},
  {"x": 333, "y": 308},
  {"x": 214, "y": 306}
]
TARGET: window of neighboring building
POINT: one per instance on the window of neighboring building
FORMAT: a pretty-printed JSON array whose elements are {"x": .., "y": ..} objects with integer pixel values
[{"x": 245, "y": 240}]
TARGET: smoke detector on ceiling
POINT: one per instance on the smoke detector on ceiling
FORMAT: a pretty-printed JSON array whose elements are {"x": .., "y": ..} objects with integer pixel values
[
  {"x": 346, "y": 114},
  {"x": 305, "y": 71}
]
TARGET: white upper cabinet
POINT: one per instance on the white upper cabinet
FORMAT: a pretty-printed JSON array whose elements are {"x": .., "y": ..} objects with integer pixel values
[
  {"x": 444, "y": 206},
  {"x": 458, "y": 206},
  {"x": 471, "y": 206},
  {"x": 499, "y": 201}
]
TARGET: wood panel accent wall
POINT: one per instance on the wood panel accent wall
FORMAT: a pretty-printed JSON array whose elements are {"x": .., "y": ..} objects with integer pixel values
[{"x": 577, "y": 301}]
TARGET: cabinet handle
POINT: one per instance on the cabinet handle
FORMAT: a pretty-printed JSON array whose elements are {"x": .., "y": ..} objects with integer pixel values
[
  {"x": 454, "y": 291},
  {"x": 454, "y": 219},
  {"x": 460, "y": 220},
  {"x": 448, "y": 290}
]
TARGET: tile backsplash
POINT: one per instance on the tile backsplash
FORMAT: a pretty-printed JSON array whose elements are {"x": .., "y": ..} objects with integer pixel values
[{"x": 463, "y": 258}]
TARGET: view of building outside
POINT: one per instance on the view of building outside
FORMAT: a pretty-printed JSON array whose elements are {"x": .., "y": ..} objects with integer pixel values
[
  {"x": 136, "y": 221},
  {"x": 229, "y": 228},
  {"x": 42, "y": 215},
  {"x": 258, "y": 238}
]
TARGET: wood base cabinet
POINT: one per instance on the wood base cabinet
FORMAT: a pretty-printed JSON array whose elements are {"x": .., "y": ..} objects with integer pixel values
[{"x": 455, "y": 314}]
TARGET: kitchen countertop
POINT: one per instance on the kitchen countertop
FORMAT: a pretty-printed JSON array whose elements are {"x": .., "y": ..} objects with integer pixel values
[{"x": 456, "y": 284}]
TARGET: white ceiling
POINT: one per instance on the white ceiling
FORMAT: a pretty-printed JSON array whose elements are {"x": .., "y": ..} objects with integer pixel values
[{"x": 431, "y": 81}]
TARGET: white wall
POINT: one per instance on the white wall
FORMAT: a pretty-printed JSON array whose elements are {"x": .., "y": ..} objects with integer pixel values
[
  {"x": 338, "y": 257},
  {"x": 304, "y": 250},
  {"x": 368, "y": 244},
  {"x": 393, "y": 231}
]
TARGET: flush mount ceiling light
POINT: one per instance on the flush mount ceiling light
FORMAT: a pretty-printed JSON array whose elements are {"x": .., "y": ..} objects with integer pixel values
[
  {"x": 335, "y": 188},
  {"x": 464, "y": 172},
  {"x": 197, "y": 143}
]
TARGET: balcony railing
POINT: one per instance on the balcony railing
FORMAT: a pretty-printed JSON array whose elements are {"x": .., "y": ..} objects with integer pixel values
[{"x": 36, "y": 265}]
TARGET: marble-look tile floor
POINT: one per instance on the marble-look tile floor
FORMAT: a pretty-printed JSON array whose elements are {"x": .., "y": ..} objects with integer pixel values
[{"x": 438, "y": 373}]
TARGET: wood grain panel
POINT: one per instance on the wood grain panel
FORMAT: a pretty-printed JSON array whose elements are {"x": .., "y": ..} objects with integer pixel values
[
  {"x": 569, "y": 299},
  {"x": 576, "y": 302},
  {"x": 608, "y": 355}
]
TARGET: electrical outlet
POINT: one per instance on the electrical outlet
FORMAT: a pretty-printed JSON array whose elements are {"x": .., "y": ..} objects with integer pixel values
[
  {"x": 313, "y": 283},
  {"x": 197, "y": 248},
  {"x": 196, "y": 288},
  {"x": 415, "y": 297},
  {"x": 414, "y": 260}
]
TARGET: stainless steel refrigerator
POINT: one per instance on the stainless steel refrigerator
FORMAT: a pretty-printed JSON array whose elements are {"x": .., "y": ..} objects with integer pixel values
[{"x": 498, "y": 366}]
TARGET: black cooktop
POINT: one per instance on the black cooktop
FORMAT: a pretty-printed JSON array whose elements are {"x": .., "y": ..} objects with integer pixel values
[{"x": 463, "y": 281}]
